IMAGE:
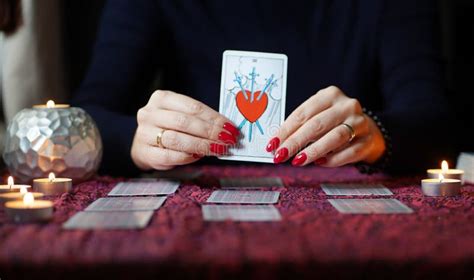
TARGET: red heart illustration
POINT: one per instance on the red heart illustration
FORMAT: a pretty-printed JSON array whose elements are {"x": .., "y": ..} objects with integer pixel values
[{"x": 251, "y": 110}]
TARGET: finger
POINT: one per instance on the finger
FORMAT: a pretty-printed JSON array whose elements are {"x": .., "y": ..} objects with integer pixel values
[
  {"x": 317, "y": 103},
  {"x": 192, "y": 125},
  {"x": 182, "y": 142},
  {"x": 314, "y": 129},
  {"x": 163, "y": 159},
  {"x": 337, "y": 137},
  {"x": 355, "y": 152},
  {"x": 172, "y": 101}
]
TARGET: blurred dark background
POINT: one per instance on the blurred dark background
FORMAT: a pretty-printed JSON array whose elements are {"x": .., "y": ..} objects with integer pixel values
[{"x": 457, "y": 27}]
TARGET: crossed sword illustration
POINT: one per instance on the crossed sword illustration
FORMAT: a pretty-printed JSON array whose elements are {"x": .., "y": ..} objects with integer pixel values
[{"x": 238, "y": 80}]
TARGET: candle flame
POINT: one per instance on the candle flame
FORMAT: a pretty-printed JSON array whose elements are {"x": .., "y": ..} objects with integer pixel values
[
  {"x": 51, "y": 177},
  {"x": 23, "y": 190},
  {"x": 440, "y": 177},
  {"x": 444, "y": 166},
  {"x": 28, "y": 199},
  {"x": 10, "y": 181},
  {"x": 50, "y": 104}
]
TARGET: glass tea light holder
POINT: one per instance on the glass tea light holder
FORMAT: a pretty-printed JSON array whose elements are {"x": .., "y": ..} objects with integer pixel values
[{"x": 52, "y": 138}]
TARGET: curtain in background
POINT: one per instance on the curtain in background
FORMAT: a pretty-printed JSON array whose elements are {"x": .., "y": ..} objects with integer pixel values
[{"x": 32, "y": 58}]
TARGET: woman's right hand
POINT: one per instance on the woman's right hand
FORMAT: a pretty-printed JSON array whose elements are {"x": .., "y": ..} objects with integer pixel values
[{"x": 189, "y": 130}]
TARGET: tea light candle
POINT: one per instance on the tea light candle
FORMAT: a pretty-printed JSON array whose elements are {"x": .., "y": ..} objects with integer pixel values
[
  {"x": 51, "y": 105},
  {"x": 12, "y": 196},
  {"x": 447, "y": 173},
  {"x": 29, "y": 210},
  {"x": 11, "y": 187},
  {"x": 52, "y": 185},
  {"x": 441, "y": 186}
]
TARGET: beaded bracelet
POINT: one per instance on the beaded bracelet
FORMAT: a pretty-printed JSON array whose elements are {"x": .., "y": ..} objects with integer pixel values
[{"x": 384, "y": 161}]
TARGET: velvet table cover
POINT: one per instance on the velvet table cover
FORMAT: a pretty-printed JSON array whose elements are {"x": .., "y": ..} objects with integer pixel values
[{"x": 312, "y": 241}]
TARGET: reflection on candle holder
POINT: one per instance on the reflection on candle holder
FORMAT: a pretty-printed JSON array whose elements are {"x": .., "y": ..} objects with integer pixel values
[{"x": 52, "y": 138}]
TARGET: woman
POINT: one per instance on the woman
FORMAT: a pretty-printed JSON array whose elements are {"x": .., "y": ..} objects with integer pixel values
[{"x": 344, "y": 56}]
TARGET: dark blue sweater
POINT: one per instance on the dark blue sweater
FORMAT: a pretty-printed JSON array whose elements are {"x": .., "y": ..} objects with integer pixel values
[{"x": 384, "y": 53}]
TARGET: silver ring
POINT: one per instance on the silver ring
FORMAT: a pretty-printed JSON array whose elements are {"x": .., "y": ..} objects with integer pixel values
[
  {"x": 351, "y": 130},
  {"x": 159, "y": 141}
]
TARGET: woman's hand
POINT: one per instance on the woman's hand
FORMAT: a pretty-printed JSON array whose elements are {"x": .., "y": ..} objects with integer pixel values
[
  {"x": 174, "y": 129},
  {"x": 331, "y": 129}
]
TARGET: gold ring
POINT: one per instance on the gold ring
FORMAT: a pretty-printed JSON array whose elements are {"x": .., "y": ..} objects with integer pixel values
[
  {"x": 158, "y": 138},
  {"x": 351, "y": 130}
]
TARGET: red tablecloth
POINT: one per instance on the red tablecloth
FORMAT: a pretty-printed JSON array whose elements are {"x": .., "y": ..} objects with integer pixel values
[{"x": 312, "y": 240}]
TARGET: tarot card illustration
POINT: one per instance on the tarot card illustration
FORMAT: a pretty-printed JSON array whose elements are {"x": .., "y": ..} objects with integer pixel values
[{"x": 253, "y": 95}]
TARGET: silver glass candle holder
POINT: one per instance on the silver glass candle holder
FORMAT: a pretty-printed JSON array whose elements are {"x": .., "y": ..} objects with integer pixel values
[{"x": 52, "y": 138}]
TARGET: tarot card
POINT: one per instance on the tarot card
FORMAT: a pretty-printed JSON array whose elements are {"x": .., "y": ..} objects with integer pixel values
[
  {"x": 370, "y": 206},
  {"x": 250, "y": 182},
  {"x": 245, "y": 213},
  {"x": 126, "y": 203},
  {"x": 109, "y": 220},
  {"x": 249, "y": 197},
  {"x": 159, "y": 187},
  {"x": 355, "y": 189},
  {"x": 253, "y": 96}
]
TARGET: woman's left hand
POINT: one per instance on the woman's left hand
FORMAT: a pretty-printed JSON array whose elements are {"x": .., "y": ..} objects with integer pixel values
[{"x": 331, "y": 130}]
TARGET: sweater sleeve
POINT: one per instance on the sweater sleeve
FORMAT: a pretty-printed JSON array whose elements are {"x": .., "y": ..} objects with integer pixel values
[
  {"x": 120, "y": 70},
  {"x": 415, "y": 110}
]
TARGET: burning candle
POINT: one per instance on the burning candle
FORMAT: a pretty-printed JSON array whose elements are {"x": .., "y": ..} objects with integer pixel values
[
  {"x": 12, "y": 196},
  {"x": 446, "y": 172},
  {"x": 11, "y": 186},
  {"x": 29, "y": 210},
  {"x": 441, "y": 186},
  {"x": 51, "y": 105},
  {"x": 52, "y": 185}
]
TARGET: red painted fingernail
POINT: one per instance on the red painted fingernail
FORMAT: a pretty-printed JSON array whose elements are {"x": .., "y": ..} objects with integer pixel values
[
  {"x": 231, "y": 128},
  {"x": 273, "y": 144},
  {"x": 299, "y": 159},
  {"x": 197, "y": 156},
  {"x": 280, "y": 155},
  {"x": 320, "y": 161},
  {"x": 227, "y": 138},
  {"x": 218, "y": 148}
]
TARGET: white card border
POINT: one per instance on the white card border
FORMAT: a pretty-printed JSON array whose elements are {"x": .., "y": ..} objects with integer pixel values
[{"x": 284, "y": 57}]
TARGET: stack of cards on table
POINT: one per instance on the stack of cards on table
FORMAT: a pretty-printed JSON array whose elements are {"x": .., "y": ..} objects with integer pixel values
[
  {"x": 129, "y": 205},
  {"x": 364, "y": 206},
  {"x": 235, "y": 191}
]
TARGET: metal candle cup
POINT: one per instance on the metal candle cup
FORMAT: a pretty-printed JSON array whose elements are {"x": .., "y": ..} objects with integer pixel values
[
  {"x": 441, "y": 187},
  {"x": 29, "y": 210},
  {"x": 14, "y": 196},
  {"x": 52, "y": 185}
]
